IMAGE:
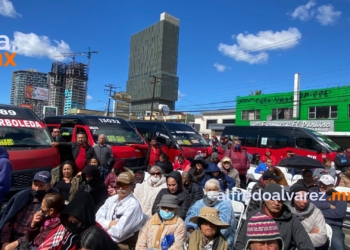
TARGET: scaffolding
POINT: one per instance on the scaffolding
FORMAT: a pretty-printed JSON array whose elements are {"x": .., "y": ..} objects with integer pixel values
[{"x": 68, "y": 82}]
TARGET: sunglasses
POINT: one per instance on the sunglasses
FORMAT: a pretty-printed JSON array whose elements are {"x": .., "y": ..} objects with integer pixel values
[
  {"x": 156, "y": 173},
  {"x": 122, "y": 185}
]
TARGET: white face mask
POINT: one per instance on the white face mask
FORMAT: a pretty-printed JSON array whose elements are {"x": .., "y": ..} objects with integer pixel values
[
  {"x": 155, "y": 179},
  {"x": 213, "y": 195}
]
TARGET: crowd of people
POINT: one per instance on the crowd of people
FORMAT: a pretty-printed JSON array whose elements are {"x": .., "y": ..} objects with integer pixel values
[{"x": 87, "y": 205}]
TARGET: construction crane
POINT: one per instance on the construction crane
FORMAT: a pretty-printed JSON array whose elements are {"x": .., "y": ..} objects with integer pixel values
[{"x": 74, "y": 54}]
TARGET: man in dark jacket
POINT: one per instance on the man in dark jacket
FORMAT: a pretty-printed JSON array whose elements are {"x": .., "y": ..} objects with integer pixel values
[
  {"x": 174, "y": 183},
  {"x": 193, "y": 188},
  {"x": 291, "y": 230},
  {"x": 82, "y": 152},
  {"x": 20, "y": 209},
  {"x": 341, "y": 162},
  {"x": 56, "y": 135},
  {"x": 333, "y": 207},
  {"x": 264, "y": 180},
  {"x": 93, "y": 185},
  {"x": 5, "y": 174}
]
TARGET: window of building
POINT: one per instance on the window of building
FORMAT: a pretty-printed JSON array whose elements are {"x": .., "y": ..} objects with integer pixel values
[
  {"x": 282, "y": 114},
  {"x": 323, "y": 112},
  {"x": 225, "y": 121},
  {"x": 250, "y": 115},
  {"x": 211, "y": 122}
]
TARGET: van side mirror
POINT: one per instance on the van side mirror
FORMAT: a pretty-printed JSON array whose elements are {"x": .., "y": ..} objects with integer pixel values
[{"x": 318, "y": 148}]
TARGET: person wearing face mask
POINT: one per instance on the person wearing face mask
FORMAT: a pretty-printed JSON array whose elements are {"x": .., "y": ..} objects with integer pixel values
[
  {"x": 20, "y": 209},
  {"x": 147, "y": 191},
  {"x": 76, "y": 217},
  {"x": 46, "y": 220},
  {"x": 213, "y": 198},
  {"x": 213, "y": 171},
  {"x": 240, "y": 161},
  {"x": 175, "y": 187},
  {"x": 93, "y": 185},
  {"x": 164, "y": 224},
  {"x": 192, "y": 187}
]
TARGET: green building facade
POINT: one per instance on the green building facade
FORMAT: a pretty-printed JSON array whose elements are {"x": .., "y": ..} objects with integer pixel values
[{"x": 323, "y": 110}]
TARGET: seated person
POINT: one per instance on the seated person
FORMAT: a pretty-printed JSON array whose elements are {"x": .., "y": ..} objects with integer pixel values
[
  {"x": 165, "y": 223},
  {"x": 121, "y": 215},
  {"x": 208, "y": 234},
  {"x": 20, "y": 210},
  {"x": 96, "y": 238},
  {"x": 307, "y": 181},
  {"x": 46, "y": 220},
  {"x": 94, "y": 185},
  {"x": 76, "y": 217},
  {"x": 345, "y": 179},
  {"x": 263, "y": 167},
  {"x": 318, "y": 172},
  {"x": 192, "y": 187},
  {"x": 214, "y": 172}
]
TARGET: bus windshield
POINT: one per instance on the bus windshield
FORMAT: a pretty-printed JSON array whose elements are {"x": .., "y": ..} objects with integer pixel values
[
  {"x": 24, "y": 137},
  {"x": 120, "y": 135},
  {"x": 326, "y": 141},
  {"x": 185, "y": 135}
]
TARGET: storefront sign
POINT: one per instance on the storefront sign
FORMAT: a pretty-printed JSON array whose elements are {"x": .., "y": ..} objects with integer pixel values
[{"x": 317, "y": 125}]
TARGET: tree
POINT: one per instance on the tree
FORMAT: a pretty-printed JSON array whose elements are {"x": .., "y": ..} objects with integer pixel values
[{"x": 256, "y": 92}]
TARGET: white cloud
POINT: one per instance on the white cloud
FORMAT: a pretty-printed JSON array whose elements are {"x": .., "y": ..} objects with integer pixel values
[
  {"x": 220, "y": 67},
  {"x": 32, "y": 45},
  {"x": 7, "y": 9},
  {"x": 327, "y": 15},
  {"x": 253, "y": 49},
  {"x": 89, "y": 97},
  {"x": 180, "y": 95},
  {"x": 304, "y": 12}
]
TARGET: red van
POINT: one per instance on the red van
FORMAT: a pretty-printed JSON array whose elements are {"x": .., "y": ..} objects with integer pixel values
[
  {"x": 175, "y": 138},
  {"x": 28, "y": 142},
  {"x": 118, "y": 133},
  {"x": 280, "y": 140}
]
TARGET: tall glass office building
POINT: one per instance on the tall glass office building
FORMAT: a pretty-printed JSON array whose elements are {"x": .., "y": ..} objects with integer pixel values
[{"x": 154, "y": 51}]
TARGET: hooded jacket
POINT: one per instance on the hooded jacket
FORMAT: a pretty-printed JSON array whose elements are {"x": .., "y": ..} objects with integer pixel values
[
  {"x": 198, "y": 177},
  {"x": 146, "y": 193},
  {"x": 226, "y": 182},
  {"x": 312, "y": 217},
  {"x": 291, "y": 230},
  {"x": 5, "y": 173},
  {"x": 196, "y": 192},
  {"x": 182, "y": 195},
  {"x": 82, "y": 208},
  {"x": 98, "y": 190},
  {"x": 265, "y": 157}
]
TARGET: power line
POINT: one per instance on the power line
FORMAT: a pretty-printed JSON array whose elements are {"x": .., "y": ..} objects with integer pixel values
[
  {"x": 109, "y": 89},
  {"x": 155, "y": 80}
]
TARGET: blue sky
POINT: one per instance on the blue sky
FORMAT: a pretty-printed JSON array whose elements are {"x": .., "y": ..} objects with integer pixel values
[{"x": 226, "y": 48}]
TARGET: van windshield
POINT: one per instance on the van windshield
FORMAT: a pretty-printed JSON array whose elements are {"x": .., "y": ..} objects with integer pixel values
[
  {"x": 185, "y": 135},
  {"x": 23, "y": 137},
  {"x": 116, "y": 135},
  {"x": 326, "y": 141}
]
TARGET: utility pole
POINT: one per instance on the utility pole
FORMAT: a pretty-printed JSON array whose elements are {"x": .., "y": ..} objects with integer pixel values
[
  {"x": 155, "y": 80},
  {"x": 109, "y": 89}
]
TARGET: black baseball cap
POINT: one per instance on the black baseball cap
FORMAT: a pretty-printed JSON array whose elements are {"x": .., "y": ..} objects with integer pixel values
[{"x": 271, "y": 175}]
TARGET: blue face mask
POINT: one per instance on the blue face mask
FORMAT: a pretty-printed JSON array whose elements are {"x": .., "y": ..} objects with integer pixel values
[
  {"x": 238, "y": 147},
  {"x": 166, "y": 215}
]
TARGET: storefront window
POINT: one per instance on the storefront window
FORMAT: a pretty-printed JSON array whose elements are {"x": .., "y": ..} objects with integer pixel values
[
  {"x": 323, "y": 112},
  {"x": 282, "y": 114},
  {"x": 251, "y": 115}
]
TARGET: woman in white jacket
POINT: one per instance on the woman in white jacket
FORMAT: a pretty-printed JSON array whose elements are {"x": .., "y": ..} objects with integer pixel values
[{"x": 147, "y": 191}]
